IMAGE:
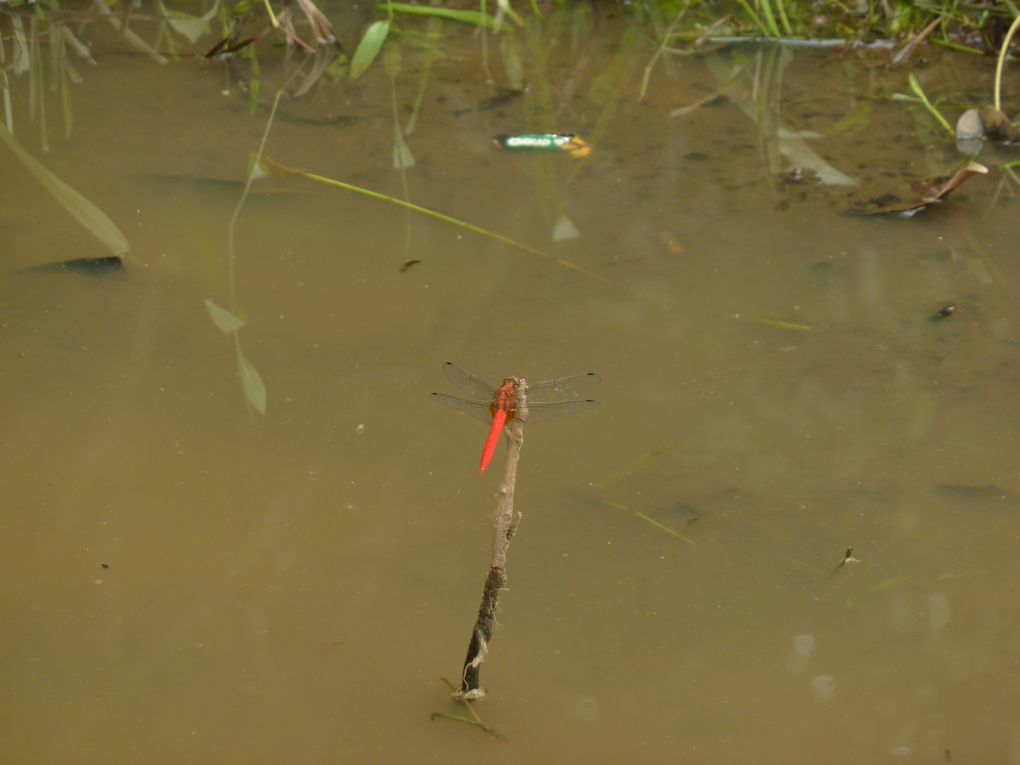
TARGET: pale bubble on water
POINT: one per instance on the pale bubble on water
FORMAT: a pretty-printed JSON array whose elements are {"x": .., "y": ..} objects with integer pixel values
[
  {"x": 824, "y": 687},
  {"x": 804, "y": 645},
  {"x": 586, "y": 709},
  {"x": 938, "y": 611}
]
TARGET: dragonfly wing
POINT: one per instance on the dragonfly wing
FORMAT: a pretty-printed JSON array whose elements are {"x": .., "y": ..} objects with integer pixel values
[
  {"x": 564, "y": 388},
  {"x": 477, "y": 409},
  {"x": 540, "y": 412},
  {"x": 474, "y": 387}
]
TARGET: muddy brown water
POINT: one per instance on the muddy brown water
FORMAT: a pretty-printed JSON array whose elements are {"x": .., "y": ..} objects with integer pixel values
[{"x": 185, "y": 580}]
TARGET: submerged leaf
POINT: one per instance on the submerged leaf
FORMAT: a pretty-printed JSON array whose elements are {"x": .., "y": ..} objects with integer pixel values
[
  {"x": 511, "y": 52},
  {"x": 81, "y": 209},
  {"x": 564, "y": 229},
  {"x": 402, "y": 156},
  {"x": 257, "y": 167},
  {"x": 251, "y": 381},
  {"x": 369, "y": 47},
  {"x": 225, "y": 320},
  {"x": 192, "y": 28}
]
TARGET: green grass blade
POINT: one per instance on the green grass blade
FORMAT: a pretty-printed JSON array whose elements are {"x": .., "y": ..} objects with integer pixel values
[
  {"x": 1002, "y": 61},
  {"x": 369, "y": 47},
  {"x": 754, "y": 17},
  {"x": 770, "y": 19},
  {"x": 82, "y": 210},
  {"x": 915, "y": 86},
  {"x": 475, "y": 18}
]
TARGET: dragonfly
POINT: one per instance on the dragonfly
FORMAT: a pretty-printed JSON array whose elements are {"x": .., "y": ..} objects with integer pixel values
[{"x": 497, "y": 404}]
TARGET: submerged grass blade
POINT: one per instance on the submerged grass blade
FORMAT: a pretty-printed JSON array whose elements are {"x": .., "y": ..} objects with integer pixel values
[
  {"x": 81, "y": 209},
  {"x": 475, "y": 18},
  {"x": 665, "y": 528},
  {"x": 635, "y": 466},
  {"x": 793, "y": 326},
  {"x": 646, "y": 519},
  {"x": 563, "y": 263},
  {"x": 476, "y": 723}
]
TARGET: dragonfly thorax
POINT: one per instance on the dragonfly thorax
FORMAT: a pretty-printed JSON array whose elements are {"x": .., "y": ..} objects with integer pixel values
[{"x": 505, "y": 399}]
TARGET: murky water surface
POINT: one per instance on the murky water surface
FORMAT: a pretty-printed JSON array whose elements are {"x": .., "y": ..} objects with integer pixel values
[{"x": 186, "y": 580}]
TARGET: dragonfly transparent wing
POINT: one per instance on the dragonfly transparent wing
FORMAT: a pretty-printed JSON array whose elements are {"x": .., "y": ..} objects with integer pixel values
[
  {"x": 563, "y": 388},
  {"x": 546, "y": 399},
  {"x": 541, "y": 411},
  {"x": 474, "y": 387},
  {"x": 477, "y": 409}
]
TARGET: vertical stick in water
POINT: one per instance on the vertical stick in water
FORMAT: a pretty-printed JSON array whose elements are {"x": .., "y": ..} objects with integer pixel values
[{"x": 505, "y": 526}]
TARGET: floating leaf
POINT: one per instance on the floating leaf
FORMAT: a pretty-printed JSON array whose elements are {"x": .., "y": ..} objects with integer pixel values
[
  {"x": 222, "y": 318},
  {"x": 81, "y": 209},
  {"x": 251, "y": 381},
  {"x": 369, "y": 47}
]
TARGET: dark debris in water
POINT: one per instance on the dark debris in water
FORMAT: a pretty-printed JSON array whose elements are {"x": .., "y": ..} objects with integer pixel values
[
  {"x": 972, "y": 493},
  {"x": 103, "y": 266},
  {"x": 680, "y": 511}
]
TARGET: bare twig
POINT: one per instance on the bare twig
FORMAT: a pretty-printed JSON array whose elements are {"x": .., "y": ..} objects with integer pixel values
[
  {"x": 904, "y": 53},
  {"x": 505, "y": 526}
]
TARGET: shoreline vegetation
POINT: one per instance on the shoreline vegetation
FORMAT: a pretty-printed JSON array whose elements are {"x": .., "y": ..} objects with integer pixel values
[{"x": 977, "y": 28}]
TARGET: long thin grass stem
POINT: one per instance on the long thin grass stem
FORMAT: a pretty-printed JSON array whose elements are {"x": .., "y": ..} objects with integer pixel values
[
  {"x": 562, "y": 262},
  {"x": 1002, "y": 62}
]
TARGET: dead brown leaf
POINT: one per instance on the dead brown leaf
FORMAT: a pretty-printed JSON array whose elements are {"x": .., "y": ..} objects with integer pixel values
[{"x": 930, "y": 191}]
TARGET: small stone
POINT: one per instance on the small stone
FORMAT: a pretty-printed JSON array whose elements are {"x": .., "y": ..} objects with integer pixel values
[{"x": 969, "y": 126}]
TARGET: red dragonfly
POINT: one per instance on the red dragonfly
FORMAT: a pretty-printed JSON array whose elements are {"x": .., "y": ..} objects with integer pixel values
[{"x": 496, "y": 404}]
